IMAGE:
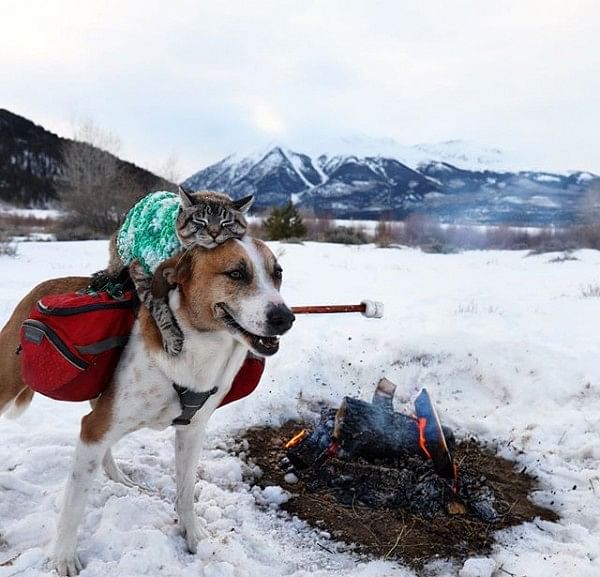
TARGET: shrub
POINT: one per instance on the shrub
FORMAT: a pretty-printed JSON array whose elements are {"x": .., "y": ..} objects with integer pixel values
[
  {"x": 7, "y": 246},
  {"x": 23, "y": 225},
  {"x": 256, "y": 229},
  {"x": 385, "y": 234},
  {"x": 317, "y": 226},
  {"x": 284, "y": 222},
  {"x": 590, "y": 291},
  {"x": 563, "y": 258},
  {"x": 69, "y": 229},
  {"x": 345, "y": 235}
]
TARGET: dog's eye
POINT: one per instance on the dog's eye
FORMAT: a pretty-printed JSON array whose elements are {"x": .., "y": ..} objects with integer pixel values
[
  {"x": 278, "y": 273},
  {"x": 235, "y": 275}
]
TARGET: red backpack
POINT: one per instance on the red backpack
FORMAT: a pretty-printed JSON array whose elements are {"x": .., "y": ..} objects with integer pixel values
[{"x": 71, "y": 344}]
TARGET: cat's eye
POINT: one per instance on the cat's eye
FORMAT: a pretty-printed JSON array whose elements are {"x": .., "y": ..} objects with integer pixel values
[{"x": 201, "y": 223}]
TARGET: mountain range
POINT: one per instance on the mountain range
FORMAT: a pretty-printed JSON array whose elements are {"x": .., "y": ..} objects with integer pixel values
[
  {"x": 454, "y": 181},
  {"x": 372, "y": 186}
]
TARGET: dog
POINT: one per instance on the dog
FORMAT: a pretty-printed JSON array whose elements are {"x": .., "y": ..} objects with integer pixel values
[{"x": 227, "y": 303}]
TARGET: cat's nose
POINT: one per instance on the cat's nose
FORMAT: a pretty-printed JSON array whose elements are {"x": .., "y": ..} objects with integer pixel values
[{"x": 214, "y": 232}]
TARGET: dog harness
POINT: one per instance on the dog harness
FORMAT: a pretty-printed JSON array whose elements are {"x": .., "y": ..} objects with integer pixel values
[
  {"x": 191, "y": 402},
  {"x": 244, "y": 384}
]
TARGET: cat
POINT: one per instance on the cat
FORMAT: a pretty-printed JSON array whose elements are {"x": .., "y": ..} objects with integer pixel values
[{"x": 205, "y": 219}]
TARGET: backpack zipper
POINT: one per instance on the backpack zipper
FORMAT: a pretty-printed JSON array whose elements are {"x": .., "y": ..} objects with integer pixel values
[
  {"x": 69, "y": 311},
  {"x": 58, "y": 344}
]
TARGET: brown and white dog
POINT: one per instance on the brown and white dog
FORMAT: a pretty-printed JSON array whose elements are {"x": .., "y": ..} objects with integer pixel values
[{"x": 227, "y": 303}]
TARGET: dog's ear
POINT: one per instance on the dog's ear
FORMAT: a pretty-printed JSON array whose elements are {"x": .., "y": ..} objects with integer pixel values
[
  {"x": 185, "y": 197},
  {"x": 168, "y": 275},
  {"x": 243, "y": 204}
]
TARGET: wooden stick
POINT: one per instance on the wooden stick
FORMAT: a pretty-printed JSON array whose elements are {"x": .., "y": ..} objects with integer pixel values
[
  {"x": 325, "y": 309},
  {"x": 369, "y": 309}
]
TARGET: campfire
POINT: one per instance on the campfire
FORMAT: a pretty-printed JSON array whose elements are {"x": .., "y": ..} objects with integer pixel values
[
  {"x": 369, "y": 453},
  {"x": 396, "y": 484}
]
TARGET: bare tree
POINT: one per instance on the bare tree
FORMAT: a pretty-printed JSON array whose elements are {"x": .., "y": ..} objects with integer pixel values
[
  {"x": 98, "y": 189},
  {"x": 589, "y": 206},
  {"x": 169, "y": 169}
]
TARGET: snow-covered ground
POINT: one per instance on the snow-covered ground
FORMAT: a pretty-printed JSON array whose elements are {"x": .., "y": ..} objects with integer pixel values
[
  {"x": 41, "y": 213},
  {"x": 506, "y": 344}
]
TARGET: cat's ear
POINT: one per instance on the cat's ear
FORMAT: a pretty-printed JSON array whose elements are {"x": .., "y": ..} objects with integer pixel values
[
  {"x": 243, "y": 204},
  {"x": 185, "y": 197}
]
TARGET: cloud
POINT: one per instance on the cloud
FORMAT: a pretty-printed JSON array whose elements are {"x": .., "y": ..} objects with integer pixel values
[
  {"x": 268, "y": 121},
  {"x": 202, "y": 79}
]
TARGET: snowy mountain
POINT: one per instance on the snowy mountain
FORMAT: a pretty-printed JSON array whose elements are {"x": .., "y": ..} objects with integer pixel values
[
  {"x": 273, "y": 175},
  {"x": 369, "y": 186},
  {"x": 459, "y": 152},
  {"x": 353, "y": 186}
]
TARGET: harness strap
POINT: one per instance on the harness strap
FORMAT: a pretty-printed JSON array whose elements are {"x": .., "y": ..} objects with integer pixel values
[{"x": 191, "y": 402}]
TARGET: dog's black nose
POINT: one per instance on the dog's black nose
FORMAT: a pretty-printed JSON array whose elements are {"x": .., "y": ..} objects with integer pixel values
[{"x": 280, "y": 318}]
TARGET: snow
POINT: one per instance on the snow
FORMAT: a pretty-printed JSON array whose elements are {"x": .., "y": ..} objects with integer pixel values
[
  {"x": 505, "y": 343},
  {"x": 543, "y": 201},
  {"x": 585, "y": 176},
  {"x": 478, "y": 567},
  {"x": 547, "y": 178},
  {"x": 45, "y": 213},
  {"x": 296, "y": 162}
]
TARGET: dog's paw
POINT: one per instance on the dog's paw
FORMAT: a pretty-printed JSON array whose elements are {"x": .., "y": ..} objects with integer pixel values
[
  {"x": 66, "y": 566},
  {"x": 194, "y": 535}
]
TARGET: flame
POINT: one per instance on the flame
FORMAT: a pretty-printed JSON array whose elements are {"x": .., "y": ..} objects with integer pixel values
[
  {"x": 333, "y": 448},
  {"x": 296, "y": 439},
  {"x": 421, "y": 424}
]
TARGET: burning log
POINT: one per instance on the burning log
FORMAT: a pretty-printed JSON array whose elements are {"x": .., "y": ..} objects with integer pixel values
[
  {"x": 366, "y": 429},
  {"x": 384, "y": 394},
  {"x": 433, "y": 439},
  {"x": 369, "y": 453},
  {"x": 375, "y": 430}
]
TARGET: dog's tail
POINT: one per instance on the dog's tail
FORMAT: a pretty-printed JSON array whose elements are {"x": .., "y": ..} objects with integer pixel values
[{"x": 19, "y": 404}]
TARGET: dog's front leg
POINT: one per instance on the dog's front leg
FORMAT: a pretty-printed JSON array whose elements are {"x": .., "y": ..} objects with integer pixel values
[
  {"x": 187, "y": 449},
  {"x": 88, "y": 457}
]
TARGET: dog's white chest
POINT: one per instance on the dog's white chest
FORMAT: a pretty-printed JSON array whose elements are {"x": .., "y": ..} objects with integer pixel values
[{"x": 145, "y": 393}]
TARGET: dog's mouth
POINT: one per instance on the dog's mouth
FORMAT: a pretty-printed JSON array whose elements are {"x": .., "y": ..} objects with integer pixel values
[{"x": 261, "y": 345}]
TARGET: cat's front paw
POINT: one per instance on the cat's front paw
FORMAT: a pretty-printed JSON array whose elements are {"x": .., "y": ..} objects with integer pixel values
[
  {"x": 173, "y": 343},
  {"x": 142, "y": 282}
]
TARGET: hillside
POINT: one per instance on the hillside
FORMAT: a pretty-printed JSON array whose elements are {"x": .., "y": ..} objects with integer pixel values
[{"x": 31, "y": 163}]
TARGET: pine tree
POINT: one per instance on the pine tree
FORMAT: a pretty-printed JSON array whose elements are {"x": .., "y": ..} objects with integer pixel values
[{"x": 285, "y": 222}]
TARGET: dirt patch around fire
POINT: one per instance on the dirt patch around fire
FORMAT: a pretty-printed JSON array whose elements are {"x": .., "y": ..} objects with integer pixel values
[{"x": 399, "y": 534}]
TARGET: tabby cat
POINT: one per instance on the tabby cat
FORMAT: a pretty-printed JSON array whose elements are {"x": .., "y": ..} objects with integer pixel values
[{"x": 205, "y": 219}]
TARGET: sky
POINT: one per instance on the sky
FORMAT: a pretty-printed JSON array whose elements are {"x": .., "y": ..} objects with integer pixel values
[{"x": 189, "y": 82}]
